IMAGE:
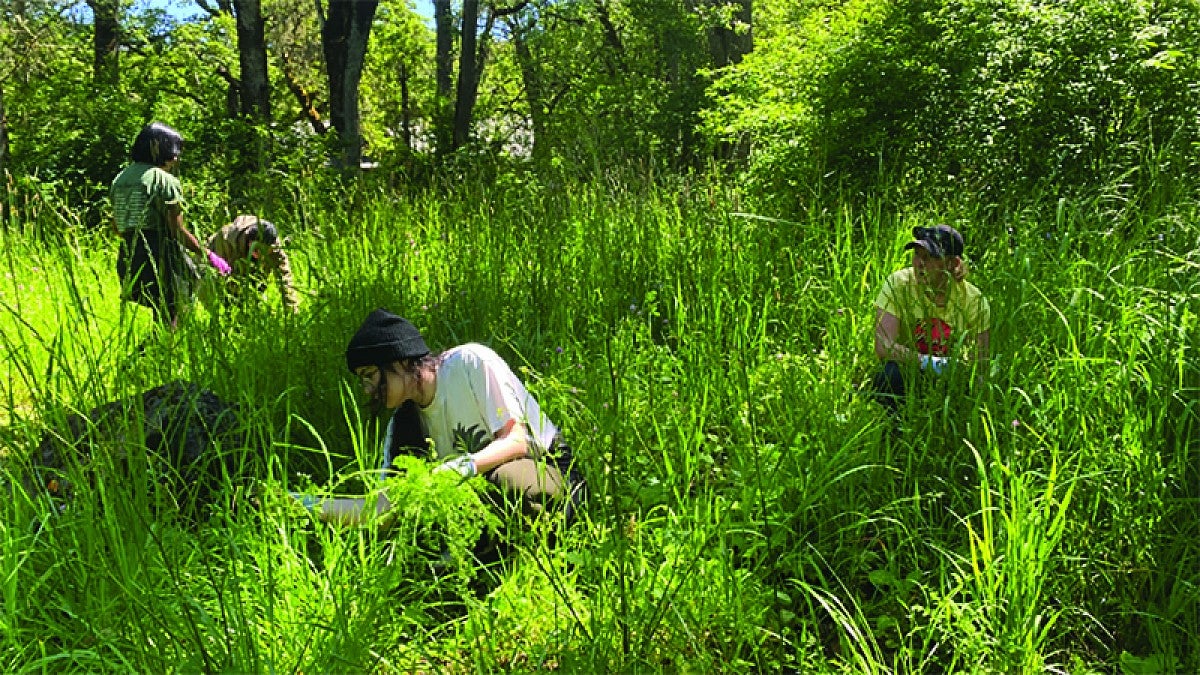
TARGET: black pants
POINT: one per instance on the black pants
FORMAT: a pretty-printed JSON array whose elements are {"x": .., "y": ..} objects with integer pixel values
[
  {"x": 155, "y": 271},
  {"x": 889, "y": 387}
]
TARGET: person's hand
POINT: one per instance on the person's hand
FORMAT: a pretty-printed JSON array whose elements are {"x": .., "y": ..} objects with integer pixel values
[
  {"x": 463, "y": 465},
  {"x": 935, "y": 363},
  {"x": 219, "y": 264}
]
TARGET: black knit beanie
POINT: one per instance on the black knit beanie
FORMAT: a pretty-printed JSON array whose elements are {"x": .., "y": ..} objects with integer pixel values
[{"x": 382, "y": 339}]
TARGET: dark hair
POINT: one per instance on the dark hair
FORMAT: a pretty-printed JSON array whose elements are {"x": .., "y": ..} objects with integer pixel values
[
  {"x": 264, "y": 232},
  {"x": 156, "y": 144},
  {"x": 408, "y": 433},
  {"x": 379, "y": 398}
]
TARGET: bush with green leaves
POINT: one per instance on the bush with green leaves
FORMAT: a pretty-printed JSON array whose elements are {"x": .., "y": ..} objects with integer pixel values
[
  {"x": 436, "y": 513},
  {"x": 966, "y": 96}
]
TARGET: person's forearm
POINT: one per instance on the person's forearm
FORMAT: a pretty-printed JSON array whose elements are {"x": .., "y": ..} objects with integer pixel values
[
  {"x": 894, "y": 351},
  {"x": 191, "y": 242},
  {"x": 887, "y": 334},
  {"x": 350, "y": 511},
  {"x": 501, "y": 451},
  {"x": 287, "y": 287},
  {"x": 185, "y": 237}
]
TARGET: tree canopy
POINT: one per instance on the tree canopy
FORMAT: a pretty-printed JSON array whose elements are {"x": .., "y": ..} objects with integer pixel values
[{"x": 941, "y": 96}]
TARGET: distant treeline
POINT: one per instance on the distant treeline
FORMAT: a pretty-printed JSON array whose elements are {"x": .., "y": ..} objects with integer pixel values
[{"x": 992, "y": 98}]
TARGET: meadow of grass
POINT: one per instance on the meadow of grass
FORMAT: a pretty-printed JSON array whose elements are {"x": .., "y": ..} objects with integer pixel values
[{"x": 750, "y": 509}]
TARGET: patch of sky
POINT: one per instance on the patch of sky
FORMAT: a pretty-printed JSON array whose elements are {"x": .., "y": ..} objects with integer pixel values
[{"x": 185, "y": 10}]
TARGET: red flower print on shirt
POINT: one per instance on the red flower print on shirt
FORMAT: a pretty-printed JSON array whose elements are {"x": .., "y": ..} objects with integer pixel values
[{"x": 932, "y": 337}]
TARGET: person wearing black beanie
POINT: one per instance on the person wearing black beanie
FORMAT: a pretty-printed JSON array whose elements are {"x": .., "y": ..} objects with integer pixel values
[
  {"x": 382, "y": 339},
  {"x": 466, "y": 407}
]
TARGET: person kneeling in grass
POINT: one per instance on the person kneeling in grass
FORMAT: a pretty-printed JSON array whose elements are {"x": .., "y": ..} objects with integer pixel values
[
  {"x": 252, "y": 248},
  {"x": 928, "y": 317},
  {"x": 472, "y": 407}
]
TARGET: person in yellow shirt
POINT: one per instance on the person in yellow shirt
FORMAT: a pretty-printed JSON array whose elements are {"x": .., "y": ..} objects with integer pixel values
[
  {"x": 928, "y": 318},
  {"x": 252, "y": 248}
]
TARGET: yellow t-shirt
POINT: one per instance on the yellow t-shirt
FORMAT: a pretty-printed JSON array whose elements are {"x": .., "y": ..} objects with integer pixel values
[{"x": 926, "y": 327}]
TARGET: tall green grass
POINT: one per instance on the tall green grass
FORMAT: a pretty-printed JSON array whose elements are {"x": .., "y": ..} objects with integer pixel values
[{"x": 750, "y": 509}]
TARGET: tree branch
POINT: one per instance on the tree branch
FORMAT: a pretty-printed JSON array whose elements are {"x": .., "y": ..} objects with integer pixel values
[
  {"x": 498, "y": 12},
  {"x": 183, "y": 93},
  {"x": 212, "y": 11},
  {"x": 308, "y": 108}
]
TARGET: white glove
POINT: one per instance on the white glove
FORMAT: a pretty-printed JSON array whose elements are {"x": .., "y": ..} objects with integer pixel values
[
  {"x": 463, "y": 465},
  {"x": 935, "y": 363},
  {"x": 309, "y": 502}
]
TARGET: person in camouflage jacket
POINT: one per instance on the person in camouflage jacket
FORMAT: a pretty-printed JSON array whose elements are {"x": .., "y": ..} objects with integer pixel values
[{"x": 252, "y": 248}]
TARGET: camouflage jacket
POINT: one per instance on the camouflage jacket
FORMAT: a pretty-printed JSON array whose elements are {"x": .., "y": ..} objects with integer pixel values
[{"x": 233, "y": 244}]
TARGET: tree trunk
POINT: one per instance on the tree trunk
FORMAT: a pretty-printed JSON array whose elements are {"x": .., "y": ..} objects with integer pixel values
[
  {"x": 444, "y": 63},
  {"x": 252, "y": 57},
  {"x": 727, "y": 45},
  {"x": 254, "y": 93},
  {"x": 468, "y": 76},
  {"x": 344, "y": 40},
  {"x": 405, "y": 108},
  {"x": 614, "y": 59},
  {"x": 5, "y": 196},
  {"x": 233, "y": 89},
  {"x": 534, "y": 91},
  {"x": 106, "y": 41}
]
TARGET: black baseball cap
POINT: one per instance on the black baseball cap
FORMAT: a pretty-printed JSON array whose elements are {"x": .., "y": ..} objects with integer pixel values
[{"x": 940, "y": 241}]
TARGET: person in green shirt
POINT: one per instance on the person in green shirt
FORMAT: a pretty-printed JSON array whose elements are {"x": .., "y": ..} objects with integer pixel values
[
  {"x": 928, "y": 317},
  {"x": 147, "y": 202}
]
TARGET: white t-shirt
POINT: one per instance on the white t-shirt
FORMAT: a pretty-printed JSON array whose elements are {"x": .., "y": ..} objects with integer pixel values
[{"x": 477, "y": 394}]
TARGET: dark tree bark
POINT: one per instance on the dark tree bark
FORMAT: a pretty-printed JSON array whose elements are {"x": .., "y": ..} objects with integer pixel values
[
  {"x": 727, "y": 45},
  {"x": 305, "y": 98},
  {"x": 405, "y": 108},
  {"x": 344, "y": 35},
  {"x": 468, "y": 75},
  {"x": 106, "y": 41},
  {"x": 614, "y": 60},
  {"x": 472, "y": 59},
  {"x": 252, "y": 57},
  {"x": 444, "y": 65},
  {"x": 531, "y": 79},
  {"x": 233, "y": 87},
  {"x": 233, "y": 90}
]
